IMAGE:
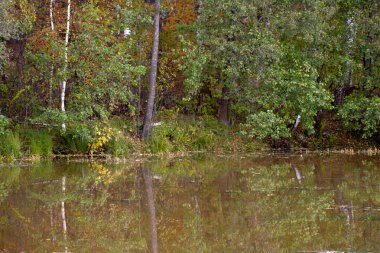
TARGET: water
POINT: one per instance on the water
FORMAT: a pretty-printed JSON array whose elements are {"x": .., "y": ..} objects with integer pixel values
[{"x": 262, "y": 203}]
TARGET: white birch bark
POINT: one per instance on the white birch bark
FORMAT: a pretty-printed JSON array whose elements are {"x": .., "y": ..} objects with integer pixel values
[
  {"x": 64, "y": 81},
  {"x": 52, "y": 65},
  {"x": 63, "y": 212}
]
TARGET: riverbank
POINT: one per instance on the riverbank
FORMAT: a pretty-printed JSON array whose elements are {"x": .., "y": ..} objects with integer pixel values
[{"x": 171, "y": 136}]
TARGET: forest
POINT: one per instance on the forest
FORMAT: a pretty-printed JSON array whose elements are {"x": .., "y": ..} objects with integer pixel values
[{"x": 122, "y": 77}]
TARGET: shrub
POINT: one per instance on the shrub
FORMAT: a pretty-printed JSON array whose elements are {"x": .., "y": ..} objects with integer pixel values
[
  {"x": 266, "y": 124},
  {"x": 361, "y": 114},
  {"x": 76, "y": 139}
]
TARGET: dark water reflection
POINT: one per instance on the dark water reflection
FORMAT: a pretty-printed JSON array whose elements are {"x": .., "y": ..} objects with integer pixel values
[{"x": 200, "y": 204}]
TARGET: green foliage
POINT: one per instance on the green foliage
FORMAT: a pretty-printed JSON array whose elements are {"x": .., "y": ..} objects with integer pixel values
[
  {"x": 76, "y": 139},
  {"x": 159, "y": 143},
  {"x": 232, "y": 50},
  {"x": 39, "y": 142},
  {"x": 270, "y": 61},
  {"x": 292, "y": 90},
  {"x": 121, "y": 146},
  {"x": 52, "y": 117},
  {"x": 266, "y": 124},
  {"x": 4, "y": 122},
  {"x": 102, "y": 64},
  {"x": 14, "y": 22},
  {"x": 3, "y": 192},
  {"x": 203, "y": 141},
  {"x": 362, "y": 114},
  {"x": 183, "y": 135},
  {"x": 10, "y": 144}
]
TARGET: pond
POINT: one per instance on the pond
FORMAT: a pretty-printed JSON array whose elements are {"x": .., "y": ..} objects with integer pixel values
[{"x": 203, "y": 203}]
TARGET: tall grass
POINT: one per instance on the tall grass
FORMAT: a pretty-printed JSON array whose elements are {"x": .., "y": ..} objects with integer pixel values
[
  {"x": 38, "y": 142},
  {"x": 10, "y": 144}
]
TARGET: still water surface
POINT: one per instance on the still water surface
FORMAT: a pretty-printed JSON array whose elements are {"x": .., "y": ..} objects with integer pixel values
[{"x": 267, "y": 203}]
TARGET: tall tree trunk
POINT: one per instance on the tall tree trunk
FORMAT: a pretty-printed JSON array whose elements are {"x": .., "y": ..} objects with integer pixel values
[
  {"x": 153, "y": 72},
  {"x": 64, "y": 81},
  {"x": 224, "y": 107},
  {"x": 52, "y": 65}
]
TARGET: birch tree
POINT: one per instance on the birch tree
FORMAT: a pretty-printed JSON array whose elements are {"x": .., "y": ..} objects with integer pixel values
[
  {"x": 52, "y": 64},
  {"x": 64, "y": 81}
]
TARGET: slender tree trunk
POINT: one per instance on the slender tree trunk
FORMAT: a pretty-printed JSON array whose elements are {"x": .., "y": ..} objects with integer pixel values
[
  {"x": 52, "y": 65},
  {"x": 64, "y": 81},
  {"x": 224, "y": 107},
  {"x": 139, "y": 90},
  {"x": 63, "y": 212},
  {"x": 153, "y": 72},
  {"x": 152, "y": 210}
]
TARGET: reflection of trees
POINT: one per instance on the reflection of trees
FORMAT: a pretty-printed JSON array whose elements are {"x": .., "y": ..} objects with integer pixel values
[
  {"x": 97, "y": 220},
  {"x": 209, "y": 205},
  {"x": 63, "y": 212},
  {"x": 152, "y": 209}
]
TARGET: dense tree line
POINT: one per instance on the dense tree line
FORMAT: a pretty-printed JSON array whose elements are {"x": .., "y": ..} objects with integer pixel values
[{"x": 273, "y": 67}]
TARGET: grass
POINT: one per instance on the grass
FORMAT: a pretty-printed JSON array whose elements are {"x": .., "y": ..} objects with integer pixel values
[
  {"x": 10, "y": 145},
  {"x": 188, "y": 134},
  {"x": 175, "y": 134},
  {"x": 38, "y": 142}
]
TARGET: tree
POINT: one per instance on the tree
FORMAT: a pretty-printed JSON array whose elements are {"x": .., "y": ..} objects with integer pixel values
[
  {"x": 51, "y": 10},
  {"x": 64, "y": 81},
  {"x": 232, "y": 52},
  {"x": 153, "y": 72}
]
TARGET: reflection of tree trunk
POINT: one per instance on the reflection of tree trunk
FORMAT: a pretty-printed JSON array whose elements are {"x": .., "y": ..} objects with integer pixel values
[
  {"x": 298, "y": 173},
  {"x": 63, "y": 212},
  {"x": 223, "y": 107},
  {"x": 51, "y": 210},
  {"x": 346, "y": 209},
  {"x": 152, "y": 210}
]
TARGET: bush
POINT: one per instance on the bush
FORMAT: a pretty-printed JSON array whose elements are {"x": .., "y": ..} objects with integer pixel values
[
  {"x": 266, "y": 124},
  {"x": 361, "y": 114},
  {"x": 76, "y": 139},
  {"x": 291, "y": 89}
]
